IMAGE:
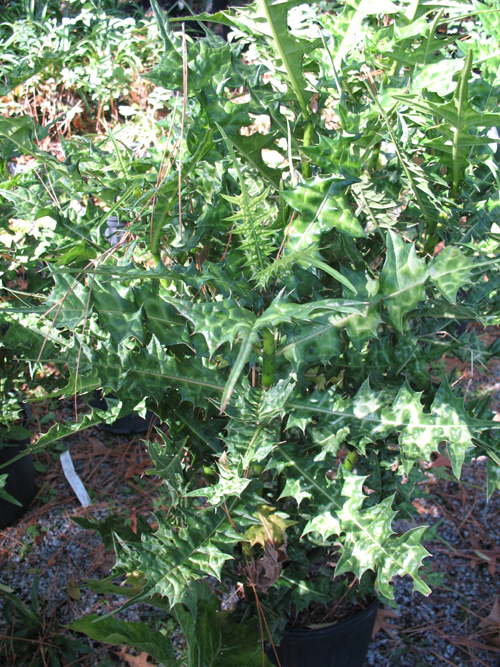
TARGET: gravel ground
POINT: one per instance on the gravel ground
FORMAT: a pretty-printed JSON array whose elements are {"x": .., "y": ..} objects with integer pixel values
[
  {"x": 443, "y": 629},
  {"x": 47, "y": 541}
]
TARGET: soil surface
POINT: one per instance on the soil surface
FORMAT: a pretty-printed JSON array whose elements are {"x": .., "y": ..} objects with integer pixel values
[{"x": 319, "y": 614}]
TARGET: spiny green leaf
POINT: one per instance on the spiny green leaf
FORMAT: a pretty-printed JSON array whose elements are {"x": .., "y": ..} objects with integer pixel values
[
  {"x": 369, "y": 419},
  {"x": 454, "y": 147},
  {"x": 21, "y": 132},
  {"x": 402, "y": 280},
  {"x": 163, "y": 319},
  {"x": 250, "y": 150},
  {"x": 368, "y": 541},
  {"x": 493, "y": 478},
  {"x": 56, "y": 433},
  {"x": 128, "y": 371},
  {"x": 67, "y": 302},
  {"x": 173, "y": 559},
  {"x": 118, "y": 310},
  {"x": 269, "y": 19},
  {"x": 78, "y": 384},
  {"x": 231, "y": 484},
  {"x": 218, "y": 321},
  {"x": 365, "y": 326},
  {"x": 449, "y": 271},
  {"x": 323, "y": 206}
]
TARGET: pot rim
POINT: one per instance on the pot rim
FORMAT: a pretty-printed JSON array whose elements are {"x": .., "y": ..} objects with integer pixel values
[{"x": 303, "y": 632}]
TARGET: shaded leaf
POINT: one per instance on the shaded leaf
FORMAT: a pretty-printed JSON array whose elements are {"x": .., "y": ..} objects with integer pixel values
[{"x": 137, "y": 634}]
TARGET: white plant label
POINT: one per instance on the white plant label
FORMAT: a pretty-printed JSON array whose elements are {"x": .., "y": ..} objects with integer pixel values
[{"x": 74, "y": 481}]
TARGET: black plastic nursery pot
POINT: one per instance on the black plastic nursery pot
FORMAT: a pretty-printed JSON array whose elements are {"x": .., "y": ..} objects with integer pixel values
[
  {"x": 132, "y": 423},
  {"x": 21, "y": 477},
  {"x": 344, "y": 644}
]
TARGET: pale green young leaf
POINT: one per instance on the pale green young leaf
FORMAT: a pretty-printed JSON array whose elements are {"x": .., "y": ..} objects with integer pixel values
[
  {"x": 253, "y": 223},
  {"x": 253, "y": 215},
  {"x": 449, "y": 271}
]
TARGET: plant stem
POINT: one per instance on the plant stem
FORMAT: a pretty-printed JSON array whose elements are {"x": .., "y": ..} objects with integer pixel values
[
  {"x": 462, "y": 94},
  {"x": 372, "y": 166},
  {"x": 268, "y": 359},
  {"x": 308, "y": 135},
  {"x": 351, "y": 459},
  {"x": 394, "y": 68}
]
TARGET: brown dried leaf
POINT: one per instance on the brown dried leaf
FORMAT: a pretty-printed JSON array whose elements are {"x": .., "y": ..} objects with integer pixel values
[
  {"x": 493, "y": 617},
  {"x": 265, "y": 572},
  {"x": 77, "y": 122},
  {"x": 485, "y": 555},
  {"x": 74, "y": 592},
  {"x": 98, "y": 447},
  {"x": 133, "y": 520},
  {"x": 106, "y": 562},
  {"x": 440, "y": 461},
  {"x": 382, "y": 624},
  {"x": 140, "y": 660},
  {"x": 421, "y": 507},
  {"x": 492, "y": 621}
]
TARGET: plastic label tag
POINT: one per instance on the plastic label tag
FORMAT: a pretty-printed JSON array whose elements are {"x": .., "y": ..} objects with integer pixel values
[{"x": 74, "y": 481}]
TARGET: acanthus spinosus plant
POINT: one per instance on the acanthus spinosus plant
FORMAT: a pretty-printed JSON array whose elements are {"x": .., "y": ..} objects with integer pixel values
[{"x": 305, "y": 279}]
